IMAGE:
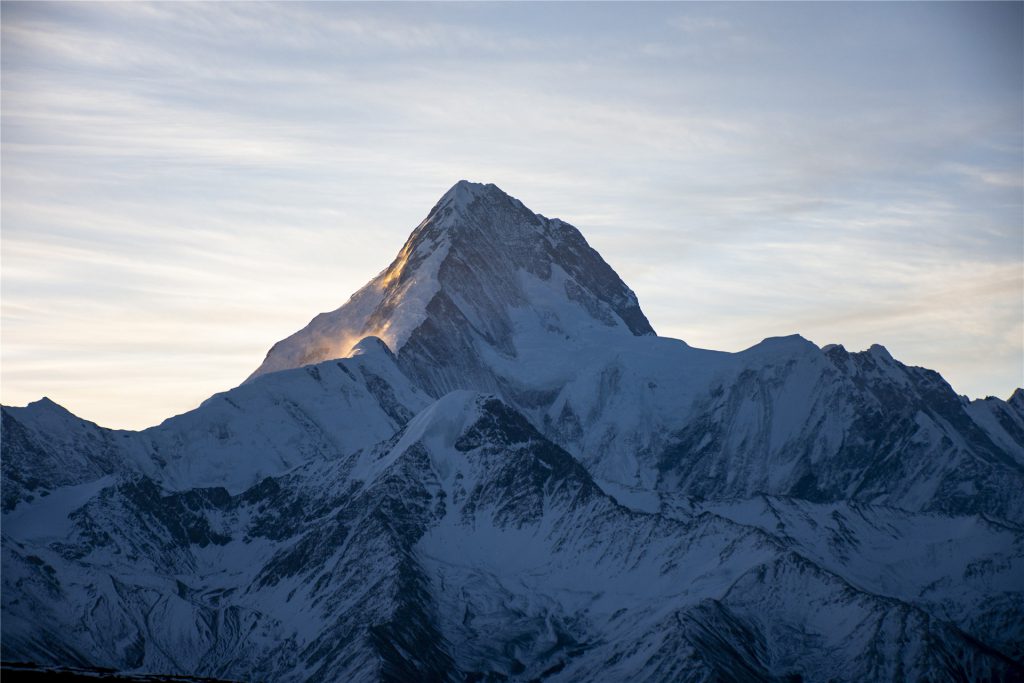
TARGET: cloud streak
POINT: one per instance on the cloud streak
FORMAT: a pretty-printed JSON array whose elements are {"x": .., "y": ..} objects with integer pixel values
[{"x": 186, "y": 183}]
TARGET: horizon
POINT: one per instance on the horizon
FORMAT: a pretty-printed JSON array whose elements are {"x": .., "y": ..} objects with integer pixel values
[{"x": 185, "y": 185}]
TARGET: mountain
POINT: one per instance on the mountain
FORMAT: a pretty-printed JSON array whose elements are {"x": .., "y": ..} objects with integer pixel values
[
  {"x": 787, "y": 418},
  {"x": 486, "y": 466},
  {"x": 469, "y": 546},
  {"x": 488, "y": 296},
  {"x": 483, "y": 291},
  {"x": 233, "y": 439}
]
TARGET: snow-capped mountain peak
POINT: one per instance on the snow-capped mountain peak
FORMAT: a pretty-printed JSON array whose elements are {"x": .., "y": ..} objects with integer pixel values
[
  {"x": 465, "y": 192},
  {"x": 486, "y": 466},
  {"x": 482, "y": 278}
]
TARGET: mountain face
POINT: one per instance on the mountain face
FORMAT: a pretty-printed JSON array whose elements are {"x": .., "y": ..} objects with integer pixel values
[
  {"x": 469, "y": 546},
  {"x": 483, "y": 291},
  {"x": 486, "y": 466}
]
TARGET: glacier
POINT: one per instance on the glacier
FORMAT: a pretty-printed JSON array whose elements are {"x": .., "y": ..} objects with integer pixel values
[{"x": 486, "y": 466}]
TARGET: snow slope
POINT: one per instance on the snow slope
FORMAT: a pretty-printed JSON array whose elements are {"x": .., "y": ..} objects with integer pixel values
[
  {"x": 486, "y": 466},
  {"x": 482, "y": 285},
  {"x": 466, "y": 545},
  {"x": 488, "y": 296},
  {"x": 233, "y": 439}
]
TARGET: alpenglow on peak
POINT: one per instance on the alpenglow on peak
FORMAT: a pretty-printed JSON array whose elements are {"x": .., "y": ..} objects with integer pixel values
[
  {"x": 481, "y": 272},
  {"x": 504, "y": 425}
]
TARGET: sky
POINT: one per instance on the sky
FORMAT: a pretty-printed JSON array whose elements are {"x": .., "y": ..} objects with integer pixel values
[{"x": 185, "y": 184}]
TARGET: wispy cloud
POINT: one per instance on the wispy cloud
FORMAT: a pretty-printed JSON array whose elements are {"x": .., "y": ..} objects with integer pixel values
[{"x": 186, "y": 183}]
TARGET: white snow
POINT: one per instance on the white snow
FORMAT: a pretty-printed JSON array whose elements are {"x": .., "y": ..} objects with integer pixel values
[
  {"x": 46, "y": 517},
  {"x": 609, "y": 586}
]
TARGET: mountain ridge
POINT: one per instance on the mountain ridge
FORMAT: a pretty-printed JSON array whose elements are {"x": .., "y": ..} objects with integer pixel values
[
  {"x": 492, "y": 468},
  {"x": 457, "y": 277}
]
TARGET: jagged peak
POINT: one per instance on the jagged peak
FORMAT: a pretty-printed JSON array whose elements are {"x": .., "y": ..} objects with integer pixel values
[
  {"x": 473, "y": 265},
  {"x": 1017, "y": 399},
  {"x": 880, "y": 352},
  {"x": 465, "y": 191},
  {"x": 46, "y": 404},
  {"x": 461, "y": 199},
  {"x": 48, "y": 412}
]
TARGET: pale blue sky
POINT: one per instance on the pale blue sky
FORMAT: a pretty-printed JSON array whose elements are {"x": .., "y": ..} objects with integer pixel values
[{"x": 184, "y": 184}]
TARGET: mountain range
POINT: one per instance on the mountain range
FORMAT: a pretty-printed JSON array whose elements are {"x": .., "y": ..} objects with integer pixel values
[{"x": 487, "y": 466}]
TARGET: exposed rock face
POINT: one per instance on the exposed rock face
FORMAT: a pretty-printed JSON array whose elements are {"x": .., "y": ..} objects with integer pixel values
[
  {"x": 468, "y": 545},
  {"x": 486, "y": 466},
  {"x": 482, "y": 275}
]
